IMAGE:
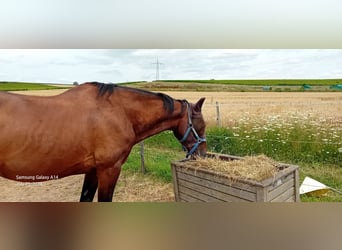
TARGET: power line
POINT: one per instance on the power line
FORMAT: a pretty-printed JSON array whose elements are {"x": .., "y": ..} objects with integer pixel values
[{"x": 157, "y": 68}]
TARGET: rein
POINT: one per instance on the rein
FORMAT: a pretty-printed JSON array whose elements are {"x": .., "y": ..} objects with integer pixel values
[{"x": 190, "y": 129}]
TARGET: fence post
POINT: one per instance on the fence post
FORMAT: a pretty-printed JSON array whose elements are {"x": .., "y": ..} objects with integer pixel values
[
  {"x": 142, "y": 157},
  {"x": 218, "y": 116}
]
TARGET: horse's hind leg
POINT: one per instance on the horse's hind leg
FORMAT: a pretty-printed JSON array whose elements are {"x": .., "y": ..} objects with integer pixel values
[
  {"x": 89, "y": 186},
  {"x": 107, "y": 180}
]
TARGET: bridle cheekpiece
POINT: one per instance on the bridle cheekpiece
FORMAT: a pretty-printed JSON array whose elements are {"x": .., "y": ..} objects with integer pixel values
[{"x": 190, "y": 129}]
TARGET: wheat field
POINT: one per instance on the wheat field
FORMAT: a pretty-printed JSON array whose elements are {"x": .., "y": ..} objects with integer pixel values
[{"x": 234, "y": 106}]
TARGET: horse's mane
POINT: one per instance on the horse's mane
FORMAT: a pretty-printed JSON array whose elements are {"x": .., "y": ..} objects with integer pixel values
[
  {"x": 109, "y": 88},
  {"x": 104, "y": 88}
]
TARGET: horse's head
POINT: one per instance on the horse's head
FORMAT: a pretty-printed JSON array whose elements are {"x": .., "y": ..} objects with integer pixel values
[{"x": 191, "y": 130}]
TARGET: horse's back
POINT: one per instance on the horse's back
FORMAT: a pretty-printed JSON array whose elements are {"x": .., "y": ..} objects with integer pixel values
[{"x": 39, "y": 133}]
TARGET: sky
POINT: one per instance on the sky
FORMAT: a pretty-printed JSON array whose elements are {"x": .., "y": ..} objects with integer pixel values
[
  {"x": 171, "y": 24},
  {"x": 121, "y": 65}
]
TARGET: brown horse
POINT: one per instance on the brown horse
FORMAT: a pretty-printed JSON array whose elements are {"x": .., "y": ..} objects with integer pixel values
[{"x": 89, "y": 130}]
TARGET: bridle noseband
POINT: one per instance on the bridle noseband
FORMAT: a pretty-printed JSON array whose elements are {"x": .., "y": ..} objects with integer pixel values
[{"x": 190, "y": 129}]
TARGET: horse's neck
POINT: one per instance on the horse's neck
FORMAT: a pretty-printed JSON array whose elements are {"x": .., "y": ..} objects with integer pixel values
[{"x": 153, "y": 120}]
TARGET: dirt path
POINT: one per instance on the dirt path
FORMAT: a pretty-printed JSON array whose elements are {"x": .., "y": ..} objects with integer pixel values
[{"x": 130, "y": 187}]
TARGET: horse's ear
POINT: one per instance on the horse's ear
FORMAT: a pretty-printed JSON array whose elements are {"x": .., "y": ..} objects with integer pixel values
[{"x": 199, "y": 104}]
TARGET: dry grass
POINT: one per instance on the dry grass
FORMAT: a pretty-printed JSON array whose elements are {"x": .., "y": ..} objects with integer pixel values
[
  {"x": 138, "y": 187},
  {"x": 256, "y": 168},
  {"x": 130, "y": 188},
  {"x": 67, "y": 189}
]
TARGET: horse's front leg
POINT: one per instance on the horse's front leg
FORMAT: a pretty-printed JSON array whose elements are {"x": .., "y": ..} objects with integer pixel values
[
  {"x": 89, "y": 186},
  {"x": 107, "y": 178}
]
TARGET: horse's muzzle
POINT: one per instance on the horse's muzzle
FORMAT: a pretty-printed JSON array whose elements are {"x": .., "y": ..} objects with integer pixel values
[{"x": 199, "y": 149}]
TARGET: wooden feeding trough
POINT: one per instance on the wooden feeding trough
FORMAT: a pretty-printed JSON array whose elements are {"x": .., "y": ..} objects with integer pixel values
[{"x": 200, "y": 184}]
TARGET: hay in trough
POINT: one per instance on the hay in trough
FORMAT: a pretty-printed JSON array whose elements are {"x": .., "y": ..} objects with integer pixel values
[{"x": 256, "y": 168}]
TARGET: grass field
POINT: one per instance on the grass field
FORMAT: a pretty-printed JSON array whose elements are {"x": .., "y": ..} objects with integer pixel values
[
  {"x": 274, "y": 85},
  {"x": 23, "y": 86},
  {"x": 160, "y": 150},
  {"x": 267, "y": 82},
  {"x": 202, "y": 85}
]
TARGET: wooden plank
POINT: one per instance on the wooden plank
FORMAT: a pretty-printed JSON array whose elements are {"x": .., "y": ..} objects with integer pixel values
[
  {"x": 281, "y": 181},
  {"x": 230, "y": 190},
  {"x": 280, "y": 189},
  {"x": 210, "y": 192},
  {"x": 224, "y": 157},
  {"x": 175, "y": 182},
  {"x": 284, "y": 196},
  {"x": 188, "y": 198},
  {"x": 261, "y": 194},
  {"x": 218, "y": 179},
  {"x": 297, "y": 196},
  {"x": 288, "y": 169},
  {"x": 197, "y": 195},
  {"x": 291, "y": 199}
]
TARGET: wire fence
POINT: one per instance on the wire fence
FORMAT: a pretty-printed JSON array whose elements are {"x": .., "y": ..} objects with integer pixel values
[{"x": 273, "y": 140}]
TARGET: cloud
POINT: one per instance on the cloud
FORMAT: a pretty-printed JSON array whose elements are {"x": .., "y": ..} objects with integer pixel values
[{"x": 118, "y": 65}]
